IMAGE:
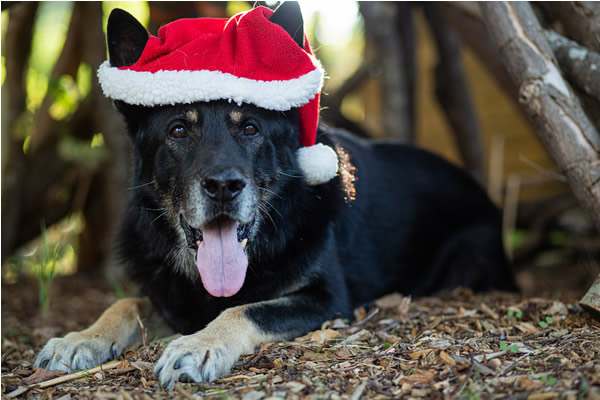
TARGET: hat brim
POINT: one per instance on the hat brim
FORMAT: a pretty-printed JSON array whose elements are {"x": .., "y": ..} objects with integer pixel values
[{"x": 167, "y": 87}]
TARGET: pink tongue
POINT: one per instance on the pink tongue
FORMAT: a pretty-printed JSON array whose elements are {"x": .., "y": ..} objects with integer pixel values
[{"x": 221, "y": 261}]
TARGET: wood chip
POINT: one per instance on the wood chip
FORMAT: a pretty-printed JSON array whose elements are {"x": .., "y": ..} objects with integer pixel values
[
  {"x": 447, "y": 359},
  {"x": 488, "y": 311},
  {"x": 543, "y": 396}
]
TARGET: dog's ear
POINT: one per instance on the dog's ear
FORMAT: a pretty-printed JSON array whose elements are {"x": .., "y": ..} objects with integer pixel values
[
  {"x": 289, "y": 17},
  {"x": 126, "y": 38}
]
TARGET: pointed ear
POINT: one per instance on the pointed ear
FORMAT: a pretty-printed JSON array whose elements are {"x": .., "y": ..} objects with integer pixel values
[
  {"x": 289, "y": 17},
  {"x": 126, "y": 38}
]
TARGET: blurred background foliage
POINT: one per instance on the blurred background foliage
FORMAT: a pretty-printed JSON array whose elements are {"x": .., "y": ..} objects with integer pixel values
[{"x": 65, "y": 154}]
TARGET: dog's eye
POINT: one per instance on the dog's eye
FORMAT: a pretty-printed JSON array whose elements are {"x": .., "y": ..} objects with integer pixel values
[
  {"x": 178, "y": 132},
  {"x": 250, "y": 130}
]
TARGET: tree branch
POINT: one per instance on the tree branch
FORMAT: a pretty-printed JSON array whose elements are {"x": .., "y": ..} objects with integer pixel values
[
  {"x": 570, "y": 138},
  {"x": 580, "y": 19},
  {"x": 389, "y": 32},
  {"x": 581, "y": 66},
  {"x": 452, "y": 91}
]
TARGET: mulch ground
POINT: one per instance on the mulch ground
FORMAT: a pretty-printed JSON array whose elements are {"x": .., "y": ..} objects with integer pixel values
[{"x": 459, "y": 345}]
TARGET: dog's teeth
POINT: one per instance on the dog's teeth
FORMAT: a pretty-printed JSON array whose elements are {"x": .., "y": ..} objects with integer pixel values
[
  {"x": 243, "y": 243},
  {"x": 198, "y": 243}
]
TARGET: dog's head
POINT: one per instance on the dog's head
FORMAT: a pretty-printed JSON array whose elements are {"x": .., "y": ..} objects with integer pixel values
[{"x": 211, "y": 174}]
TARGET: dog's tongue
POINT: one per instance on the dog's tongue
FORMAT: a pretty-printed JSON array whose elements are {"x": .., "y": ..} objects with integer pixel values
[{"x": 221, "y": 261}]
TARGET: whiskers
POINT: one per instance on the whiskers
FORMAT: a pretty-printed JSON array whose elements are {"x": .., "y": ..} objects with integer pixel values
[
  {"x": 289, "y": 175},
  {"x": 162, "y": 214},
  {"x": 270, "y": 192},
  {"x": 140, "y": 186},
  {"x": 265, "y": 205}
]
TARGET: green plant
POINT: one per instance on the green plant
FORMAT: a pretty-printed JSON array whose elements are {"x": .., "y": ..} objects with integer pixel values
[
  {"x": 548, "y": 380},
  {"x": 45, "y": 269},
  {"x": 544, "y": 324},
  {"x": 513, "y": 348}
]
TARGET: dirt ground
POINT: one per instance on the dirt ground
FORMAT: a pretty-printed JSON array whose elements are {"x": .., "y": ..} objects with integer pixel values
[{"x": 536, "y": 345}]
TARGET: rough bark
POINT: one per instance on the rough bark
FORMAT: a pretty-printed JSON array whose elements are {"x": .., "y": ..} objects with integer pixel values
[
  {"x": 580, "y": 19},
  {"x": 554, "y": 110},
  {"x": 580, "y": 65},
  {"x": 452, "y": 92},
  {"x": 389, "y": 32}
]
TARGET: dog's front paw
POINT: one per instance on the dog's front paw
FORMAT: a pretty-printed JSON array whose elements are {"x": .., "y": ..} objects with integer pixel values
[
  {"x": 194, "y": 358},
  {"x": 77, "y": 351}
]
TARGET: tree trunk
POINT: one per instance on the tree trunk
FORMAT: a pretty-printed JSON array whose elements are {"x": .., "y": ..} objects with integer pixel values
[
  {"x": 452, "y": 92},
  {"x": 389, "y": 33},
  {"x": 569, "y": 136}
]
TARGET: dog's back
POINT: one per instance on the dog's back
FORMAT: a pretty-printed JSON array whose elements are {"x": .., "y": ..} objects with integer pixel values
[{"x": 418, "y": 224}]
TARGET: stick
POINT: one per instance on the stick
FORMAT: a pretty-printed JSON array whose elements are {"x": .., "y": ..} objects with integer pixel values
[
  {"x": 144, "y": 332},
  {"x": 77, "y": 375}
]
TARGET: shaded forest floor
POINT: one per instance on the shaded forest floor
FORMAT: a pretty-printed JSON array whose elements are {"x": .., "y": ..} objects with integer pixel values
[{"x": 537, "y": 345}]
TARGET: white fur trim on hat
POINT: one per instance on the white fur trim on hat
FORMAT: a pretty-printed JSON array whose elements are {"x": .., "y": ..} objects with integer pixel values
[
  {"x": 319, "y": 163},
  {"x": 173, "y": 87}
]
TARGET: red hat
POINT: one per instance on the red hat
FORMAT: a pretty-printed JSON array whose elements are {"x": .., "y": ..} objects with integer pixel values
[{"x": 244, "y": 59}]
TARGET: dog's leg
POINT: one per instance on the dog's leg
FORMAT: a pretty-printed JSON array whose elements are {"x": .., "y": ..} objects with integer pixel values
[
  {"x": 211, "y": 353},
  {"x": 116, "y": 328}
]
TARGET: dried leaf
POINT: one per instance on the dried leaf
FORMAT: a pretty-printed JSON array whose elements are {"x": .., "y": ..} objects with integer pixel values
[
  {"x": 418, "y": 354},
  {"x": 360, "y": 336},
  {"x": 395, "y": 301},
  {"x": 420, "y": 376},
  {"x": 319, "y": 336},
  {"x": 41, "y": 375},
  {"x": 557, "y": 308}
]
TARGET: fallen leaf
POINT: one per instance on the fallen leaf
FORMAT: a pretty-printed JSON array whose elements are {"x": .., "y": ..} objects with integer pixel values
[
  {"x": 360, "y": 336},
  {"x": 420, "y": 376},
  {"x": 557, "y": 308},
  {"x": 418, "y": 354},
  {"x": 319, "y": 336},
  {"x": 395, "y": 301},
  {"x": 343, "y": 353},
  {"x": 42, "y": 375}
]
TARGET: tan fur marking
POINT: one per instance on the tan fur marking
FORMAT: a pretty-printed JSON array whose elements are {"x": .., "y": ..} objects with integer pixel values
[
  {"x": 119, "y": 322},
  {"x": 234, "y": 328},
  {"x": 192, "y": 116},
  {"x": 236, "y": 117}
]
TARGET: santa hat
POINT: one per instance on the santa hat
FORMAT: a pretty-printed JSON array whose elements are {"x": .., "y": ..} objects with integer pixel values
[{"x": 244, "y": 59}]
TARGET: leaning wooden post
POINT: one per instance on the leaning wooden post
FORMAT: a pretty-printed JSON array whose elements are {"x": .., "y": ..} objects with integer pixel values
[{"x": 555, "y": 112}]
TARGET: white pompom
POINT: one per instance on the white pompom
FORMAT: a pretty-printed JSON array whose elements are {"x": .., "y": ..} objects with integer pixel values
[{"x": 319, "y": 163}]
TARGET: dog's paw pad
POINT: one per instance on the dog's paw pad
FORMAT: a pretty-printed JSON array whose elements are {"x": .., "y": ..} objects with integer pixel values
[
  {"x": 194, "y": 359},
  {"x": 77, "y": 351}
]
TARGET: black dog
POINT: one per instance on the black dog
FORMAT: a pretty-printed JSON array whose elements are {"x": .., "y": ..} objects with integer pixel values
[{"x": 395, "y": 218}]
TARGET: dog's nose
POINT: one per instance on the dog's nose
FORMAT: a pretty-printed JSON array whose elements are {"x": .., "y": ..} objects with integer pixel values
[{"x": 224, "y": 186}]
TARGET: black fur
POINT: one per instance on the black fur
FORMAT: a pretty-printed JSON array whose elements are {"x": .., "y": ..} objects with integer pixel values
[{"x": 396, "y": 218}]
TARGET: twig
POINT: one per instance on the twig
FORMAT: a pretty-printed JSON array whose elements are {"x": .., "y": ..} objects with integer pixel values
[
  {"x": 144, "y": 331},
  {"x": 469, "y": 373},
  {"x": 77, "y": 375},
  {"x": 358, "y": 391},
  {"x": 511, "y": 366},
  {"x": 362, "y": 321},
  {"x": 182, "y": 392}
]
